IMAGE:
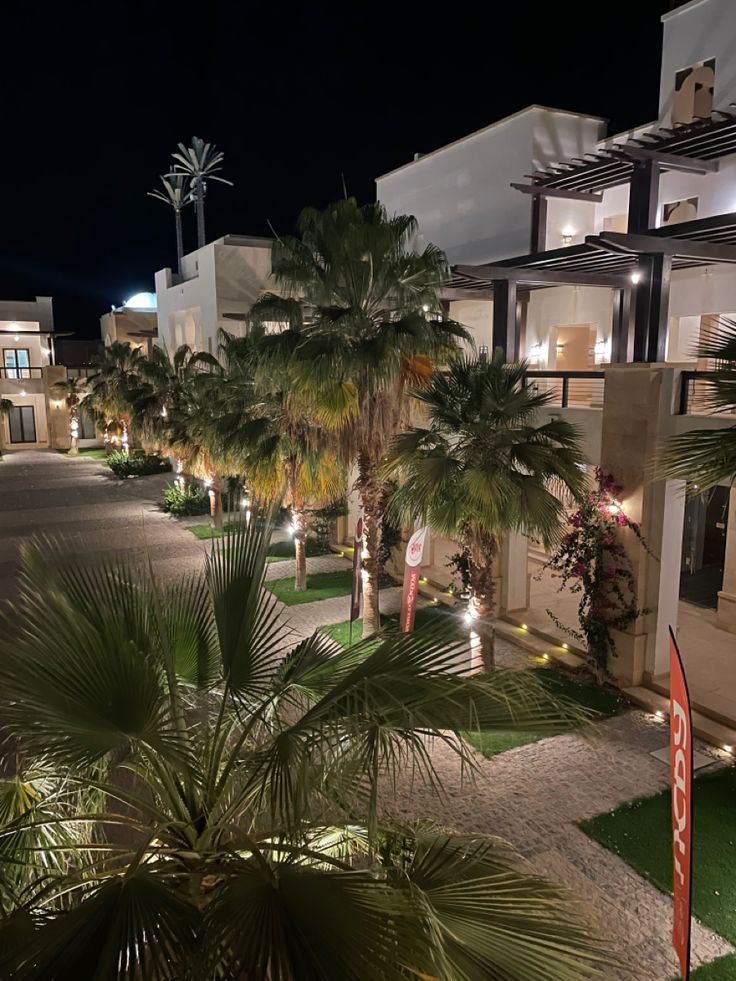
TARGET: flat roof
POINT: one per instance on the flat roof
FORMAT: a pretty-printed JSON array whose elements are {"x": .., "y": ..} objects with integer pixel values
[
  {"x": 485, "y": 129},
  {"x": 678, "y": 10}
]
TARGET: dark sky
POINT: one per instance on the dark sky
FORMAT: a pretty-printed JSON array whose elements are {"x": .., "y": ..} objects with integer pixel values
[{"x": 96, "y": 95}]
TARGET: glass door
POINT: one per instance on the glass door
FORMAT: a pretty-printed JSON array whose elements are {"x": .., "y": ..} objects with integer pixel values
[{"x": 22, "y": 424}]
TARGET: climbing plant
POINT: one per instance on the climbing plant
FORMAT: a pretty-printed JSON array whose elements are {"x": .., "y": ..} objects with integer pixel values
[{"x": 592, "y": 562}]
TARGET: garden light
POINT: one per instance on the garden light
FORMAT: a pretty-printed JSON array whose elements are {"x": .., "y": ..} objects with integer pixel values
[{"x": 728, "y": 749}]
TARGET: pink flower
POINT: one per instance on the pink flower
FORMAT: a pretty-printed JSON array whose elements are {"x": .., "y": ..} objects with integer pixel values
[{"x": 578, "y": 569}]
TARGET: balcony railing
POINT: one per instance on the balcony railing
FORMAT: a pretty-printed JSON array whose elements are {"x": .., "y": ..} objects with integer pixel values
[
  {"x": 570, "y": 389},
  {"x": 696, "y": 393},
  {"x": 81, "y": 370},
  {"x": 19, "y": 374}
]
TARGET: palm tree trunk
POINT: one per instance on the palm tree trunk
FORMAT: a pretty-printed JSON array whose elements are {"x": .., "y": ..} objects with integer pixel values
[
  {"x": 300, "y": 549},
  {"x": 199, "y": 208},
  {"x": 179, "y": 240},
  {"x": 369, "y": 492},
  {"x": 215, "y": 494},
  {"x": 482, "y": 549}
]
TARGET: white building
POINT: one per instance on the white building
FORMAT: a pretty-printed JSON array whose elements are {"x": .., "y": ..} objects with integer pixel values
[
  {"x": 134, "y": 322},
  {"x": 603, "y": 261},
  {"x": 218, "y": 285}
]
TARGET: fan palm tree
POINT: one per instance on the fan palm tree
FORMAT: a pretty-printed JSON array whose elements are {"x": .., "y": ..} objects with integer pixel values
[
  {"x": 199, "y": 163},
  {"x": 287, "y": 456},
  {"x": 707, "y": 457},
  {"x": 485, "y": 466},
  {"x": 73, "y": 390},
  {"x": 239, "y": 834},
  {"x": 164, "y": 391},
  {"x": 177, "y": 194},
  {"x": 111, "y": 388},
  {"x": 370, "y": 327}
]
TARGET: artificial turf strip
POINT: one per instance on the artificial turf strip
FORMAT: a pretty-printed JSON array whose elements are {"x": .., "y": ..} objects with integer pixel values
[
  {"x": 277, "y": 551},
  {"x": 606, "y": 703},
  {"x": 320, "y": 586},
  {"x": 489, "y": 744},
  {"x": 640, "y": 832},
  {"x": 721, "y": 969}
]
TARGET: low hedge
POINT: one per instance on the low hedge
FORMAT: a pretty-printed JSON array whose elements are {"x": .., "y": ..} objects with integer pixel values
[{"x": 136, "y": 464}]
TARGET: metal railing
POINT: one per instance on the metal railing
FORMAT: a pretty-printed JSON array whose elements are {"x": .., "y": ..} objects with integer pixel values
[
  {"x": 696, "y": 393},
  {"x": 570, "y": 388},
  {"x": 19, "y": 374}
]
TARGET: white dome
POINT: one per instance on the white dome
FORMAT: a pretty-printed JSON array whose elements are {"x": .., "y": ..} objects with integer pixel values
[{"x": 142, "y": 301}]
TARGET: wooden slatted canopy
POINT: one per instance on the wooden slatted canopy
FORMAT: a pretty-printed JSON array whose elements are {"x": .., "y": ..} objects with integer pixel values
[{"x": 694, "y": 147}]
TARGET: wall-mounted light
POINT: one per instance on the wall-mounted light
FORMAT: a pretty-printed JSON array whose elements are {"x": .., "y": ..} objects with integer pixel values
[
  {"x": 16, "y": 338},
  {"x": 567, "y": 235},
  {"x": 483, "y": 352},
  {"x": 602, "y": 349},
  {"x": 425, "y": 307},
  {"x": 535, "y": 352},
  {"x": 635, "y": 277}
]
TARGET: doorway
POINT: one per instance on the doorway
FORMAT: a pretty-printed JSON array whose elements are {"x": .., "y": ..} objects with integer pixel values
[
  {"x": 704, "y": 547},
  {"x": 22, "y": 421}
]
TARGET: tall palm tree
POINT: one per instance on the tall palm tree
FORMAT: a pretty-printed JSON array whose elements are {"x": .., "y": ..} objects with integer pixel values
[
  {"x": 74, "y": 391},
  {"x": 237, "y": 831},
  {"x": 287, "y": 456},
  {"x": 371, "y": 326},
  {"x": 111, "y": 388},
  {"x": 199, "y": 163},
  {"x": 707, "y": 457},
  {"x": 177, "y": 194},
  {"x": 485, "y": 466}
]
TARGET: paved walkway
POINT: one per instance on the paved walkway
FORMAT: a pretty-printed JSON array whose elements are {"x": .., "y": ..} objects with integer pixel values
[{"x": 533, "y": 796}]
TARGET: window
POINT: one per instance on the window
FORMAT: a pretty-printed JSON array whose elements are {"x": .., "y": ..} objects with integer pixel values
[
  {"x": 17, "y": 362},
  {"x": 22, "y": 424},
  {"x": 693, "y": 98},
  {"x": 677, "y": 211},
  {"x": 86, "y": 425}
]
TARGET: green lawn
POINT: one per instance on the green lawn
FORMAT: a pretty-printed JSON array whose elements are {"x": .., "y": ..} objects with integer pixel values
[
  {"x": 561, "y": 683},
  {"x": 722, "y": 969},
  {"x": 640, "y": 833},
  {"x": 425, "y": 616},
  {"x": 278, "y": 551},
  {"x": 320, "y": 586},
  {"x": 90, "y": 452}
]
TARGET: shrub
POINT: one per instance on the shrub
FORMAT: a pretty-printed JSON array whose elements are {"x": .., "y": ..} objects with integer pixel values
[
  {"x": 193, "y": 500},
  {"x": 322, "y": 519},
  {"x": 136, "y": 464}
]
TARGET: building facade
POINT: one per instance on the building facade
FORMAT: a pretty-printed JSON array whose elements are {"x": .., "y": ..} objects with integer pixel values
[
  {"x": 216, "y": 288},
  {"x": 134, "y": 322},
  {"x": 28, "y": 373},
  {"x": 603, "y": 261}
]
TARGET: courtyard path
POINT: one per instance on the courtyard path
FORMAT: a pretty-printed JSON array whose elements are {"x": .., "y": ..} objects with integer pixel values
[{"x": 532, "y": 796}]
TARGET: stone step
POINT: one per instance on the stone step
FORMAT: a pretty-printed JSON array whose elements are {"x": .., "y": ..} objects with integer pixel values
[
  {"x": 707, "y": 703},
  {"x": 704, "y": 727}
]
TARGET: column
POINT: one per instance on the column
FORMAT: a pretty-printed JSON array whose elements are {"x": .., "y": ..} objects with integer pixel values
[
  {"x": 514, "y": 592},
  {"x": 643, "y": 196},
  {"x": 652, "y": 306},
  {"x": 637, "y": 415},
  {"x": 727, "y": 596},
  {"x": 504, "y": 316}
]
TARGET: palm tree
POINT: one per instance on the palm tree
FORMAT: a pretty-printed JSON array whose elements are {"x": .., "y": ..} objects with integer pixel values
[
  {"x": 164, "y": 390},
  {"x": 371, "y": 327},
  {"x": 199, "y": 163},
  {"x": 177, "y": 194},
  {"x": 485, "y": 466},
  {"x": 73, "y": 390},
  {"x": 237, "y": 830},
  {"x": 111, "y": 388},
  {"x": 286, "y": 455},
  {"x": 707, "y": 457}
]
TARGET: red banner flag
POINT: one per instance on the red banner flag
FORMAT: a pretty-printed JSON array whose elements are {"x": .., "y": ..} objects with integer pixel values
[
  {"x": 357, "y": 575},
  {"x": 681, "y": 780},
  {"x": 414, "y": 553}
]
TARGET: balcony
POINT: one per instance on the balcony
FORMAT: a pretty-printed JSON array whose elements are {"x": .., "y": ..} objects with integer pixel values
[{"x": 569, "y": 389}]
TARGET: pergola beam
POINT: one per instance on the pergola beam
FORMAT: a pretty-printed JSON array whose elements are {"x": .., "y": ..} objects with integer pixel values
[
  {"x": 635, "y": 244},
  {"x": 557, "y": 192},
  {"x": 533, "y": 276},
  {"x": 668, "y": 161}
]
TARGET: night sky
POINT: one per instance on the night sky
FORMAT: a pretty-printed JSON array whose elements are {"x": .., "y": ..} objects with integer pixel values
[{"x": 95, "y": 97}]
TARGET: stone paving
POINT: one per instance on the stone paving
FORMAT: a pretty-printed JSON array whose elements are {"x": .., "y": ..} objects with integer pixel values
[{"x": 533, "y": 796}]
